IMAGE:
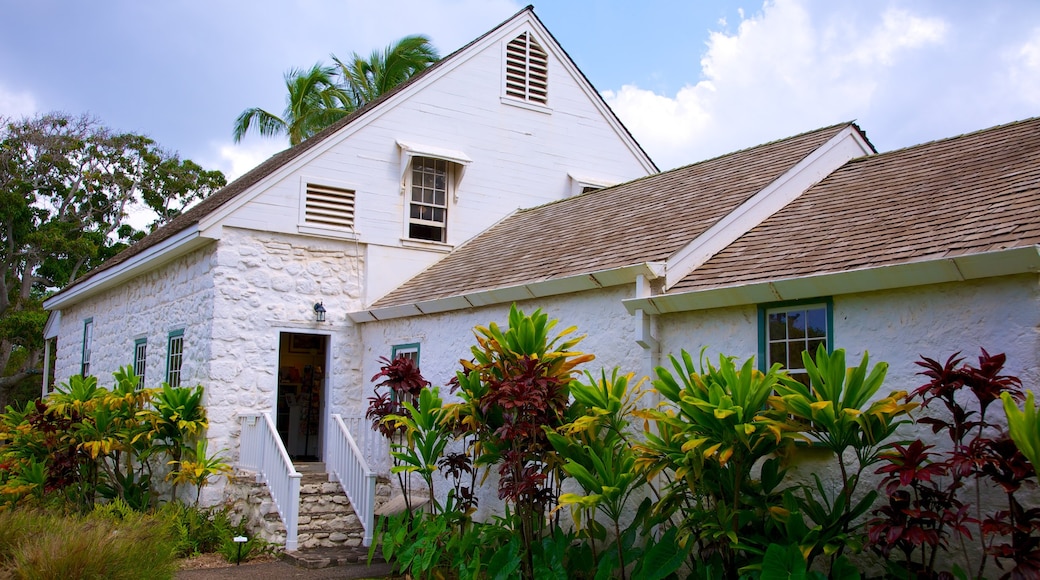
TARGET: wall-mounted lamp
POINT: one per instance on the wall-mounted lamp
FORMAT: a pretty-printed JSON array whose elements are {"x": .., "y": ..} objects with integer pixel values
[{"x": 319, "y": 312}]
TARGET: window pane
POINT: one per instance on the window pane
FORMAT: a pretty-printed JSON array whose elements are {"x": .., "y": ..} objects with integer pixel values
[
  {"x": 796, "y": 324},
  {"x": 814, "y": 345},
  {"x": 795, "y": 358},
  {"x": 817, "y": 322},
  {"x": 778, "y": 353},
  {"x": 777, "y": 326}
]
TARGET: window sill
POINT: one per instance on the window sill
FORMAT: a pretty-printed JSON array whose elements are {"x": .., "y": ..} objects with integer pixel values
[
  {"x": 427, "y": 245},
  {"x": 514, "y": 102},
  {"x": 343, "y": 234}
]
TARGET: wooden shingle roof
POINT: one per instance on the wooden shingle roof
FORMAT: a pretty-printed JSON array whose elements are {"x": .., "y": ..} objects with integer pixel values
[
  {"x": 641, "y": 221},
  {"x": 970, "y": 194}
]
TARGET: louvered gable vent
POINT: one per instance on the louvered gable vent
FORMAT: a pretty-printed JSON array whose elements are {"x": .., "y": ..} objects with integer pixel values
[
  {"x": 527, "y": 70},
  {"x": 329, "y": 206}
]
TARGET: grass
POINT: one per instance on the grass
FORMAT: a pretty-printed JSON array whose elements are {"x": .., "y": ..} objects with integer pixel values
[{"x": 42, "y": 545}]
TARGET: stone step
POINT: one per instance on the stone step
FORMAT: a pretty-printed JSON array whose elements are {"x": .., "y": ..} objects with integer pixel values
[{"x": 340, "y": 556}]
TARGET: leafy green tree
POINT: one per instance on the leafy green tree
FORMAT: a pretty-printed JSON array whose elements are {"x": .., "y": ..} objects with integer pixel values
[
  {"x": 67, "y": 188},
  {"x": 314, "y": 101},
  {"x": 366, "y": 79},
  {"x": 321, "y": 95}
]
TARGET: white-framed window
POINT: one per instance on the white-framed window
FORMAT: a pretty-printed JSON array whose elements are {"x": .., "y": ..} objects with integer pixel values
[
  {"x": 140, "y": 359},
  {"x": 527, "y": 70},
  {"x": 174, "y": 357},
  {"x": 429, "y": 191},
  {"x": 88, "y": 345},
  {"x": 789, "y": 329}
]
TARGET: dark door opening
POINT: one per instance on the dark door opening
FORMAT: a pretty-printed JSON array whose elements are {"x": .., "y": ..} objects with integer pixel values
[{"x": 301, "y": 390}]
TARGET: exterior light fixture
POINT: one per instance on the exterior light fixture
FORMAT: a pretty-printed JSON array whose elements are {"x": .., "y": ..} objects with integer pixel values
[{"x": 319, "y": 312}]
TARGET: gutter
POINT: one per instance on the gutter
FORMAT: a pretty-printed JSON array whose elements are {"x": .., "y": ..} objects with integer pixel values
[
  {"x": 180, "y": 244},
  {"x": 509, "y": 294},
  {"x": 1007, "y": 262}
]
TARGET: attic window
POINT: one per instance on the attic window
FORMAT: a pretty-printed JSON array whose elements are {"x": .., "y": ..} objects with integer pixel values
[
  {"x": 527, "y": 70},
  {"x": 329, "y": 206}
]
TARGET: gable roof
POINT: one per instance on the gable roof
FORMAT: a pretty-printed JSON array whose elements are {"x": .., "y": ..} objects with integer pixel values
[
  {"x": 958, "y": 209},
  {"x": 156, "y": 242},
  {"x": 970, "y": 194},
  {"x": 642, "y": 221}
]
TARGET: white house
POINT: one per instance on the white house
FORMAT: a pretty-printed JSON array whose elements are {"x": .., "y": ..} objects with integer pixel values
[
  {"x": 480, "y": 183},
  {"x": 227, "y": 295}
]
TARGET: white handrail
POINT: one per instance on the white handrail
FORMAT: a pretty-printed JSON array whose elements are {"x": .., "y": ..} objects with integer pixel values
[
  {"x": 347, "y": 466},
  {"x": 261, "y": 450}
]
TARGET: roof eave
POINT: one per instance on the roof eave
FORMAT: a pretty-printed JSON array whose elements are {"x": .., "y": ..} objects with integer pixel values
[
  {"x": 180, "y": 244},
  {"x": 509, "y": 294},
  {"x": 1006, "y": 262}
]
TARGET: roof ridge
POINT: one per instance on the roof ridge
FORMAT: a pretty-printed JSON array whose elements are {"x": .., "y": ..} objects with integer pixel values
[
  {"x": 663, "y": 174},
  {"x": 969, "y": 134}
]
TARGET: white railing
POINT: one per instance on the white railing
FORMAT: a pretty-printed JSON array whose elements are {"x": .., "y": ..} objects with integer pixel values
[
  {"x": 347, "y": 466},
  {"x": 261, "y": 450}
]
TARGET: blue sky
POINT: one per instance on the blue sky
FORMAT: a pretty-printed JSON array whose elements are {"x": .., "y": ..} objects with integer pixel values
[{"x": 691, "y": 79}]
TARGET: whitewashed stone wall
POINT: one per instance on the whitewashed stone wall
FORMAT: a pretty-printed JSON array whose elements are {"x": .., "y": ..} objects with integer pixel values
[
  {"x": 177, "y": 296},
  {"x": 896, "y": 326},
  {"x": 266, "y": 284}
]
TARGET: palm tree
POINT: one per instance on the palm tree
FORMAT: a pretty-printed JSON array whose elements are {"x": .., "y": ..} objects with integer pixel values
[
  {"x": 314, "y": 102},
  {"x": 322, "y": 95},
  {"x": 365, "y": 80}
]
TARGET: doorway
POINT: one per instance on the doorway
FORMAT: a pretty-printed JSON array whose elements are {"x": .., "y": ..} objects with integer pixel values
[{"x": 301, "y": 393}]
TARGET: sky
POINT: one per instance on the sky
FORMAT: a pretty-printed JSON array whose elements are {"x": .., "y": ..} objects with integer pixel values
[{"x": 691, "y": 79}]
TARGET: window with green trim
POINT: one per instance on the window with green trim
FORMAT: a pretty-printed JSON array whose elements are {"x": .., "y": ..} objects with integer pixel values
[
  {"x": 88, "y": 345},
  {"x": 140, "y": 359},
  {"x": 786, "y": 330},
  {"x": 410, "y": 350},
  {"x": 175, "y": 357}
]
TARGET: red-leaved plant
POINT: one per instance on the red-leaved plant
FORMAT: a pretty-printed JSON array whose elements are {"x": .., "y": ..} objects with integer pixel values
[
  {"x": 926, "y": 508},
  {"x": 402, "y": 381}
]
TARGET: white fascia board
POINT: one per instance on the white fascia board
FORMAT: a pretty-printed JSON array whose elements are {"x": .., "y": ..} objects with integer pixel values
[
  {"x": 53, "y": 326},
  {"x": 183, "y": 242},
  {"x": 1023, "y": 260},
  {"x": 540, "y": 289},
  {"x": 824, "y": 160}
]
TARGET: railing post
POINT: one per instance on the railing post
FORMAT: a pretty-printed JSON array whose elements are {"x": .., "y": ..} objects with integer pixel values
[{"x": 292, "y": 516}]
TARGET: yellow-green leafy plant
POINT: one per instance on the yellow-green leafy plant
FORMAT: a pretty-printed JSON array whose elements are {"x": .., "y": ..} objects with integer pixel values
[
  {"x": 839, "y": 411},
  {"x": 719, "y": 446},
  {"x": 199, "y": 468},
  {"x": 598, "y": 454},
  {"x": 1024, "y": 426}
]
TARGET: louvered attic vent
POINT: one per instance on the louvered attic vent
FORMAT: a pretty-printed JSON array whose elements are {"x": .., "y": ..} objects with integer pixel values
[
  {"x": 527, "y": 70},
  {"x": 329, "y": 206}
]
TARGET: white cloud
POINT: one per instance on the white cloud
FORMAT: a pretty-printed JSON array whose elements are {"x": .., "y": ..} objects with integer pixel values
[
  {"x": 899, "y": 30},
  {"x": 1024, "y": 68},
  {"x": 235, "y": 160},
  {"x": 785, "y": 70},
  {"x": 16, "y": 104}
]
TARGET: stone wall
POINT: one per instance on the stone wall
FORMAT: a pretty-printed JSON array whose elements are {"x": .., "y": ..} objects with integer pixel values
[{"x": 177, "y": 296}]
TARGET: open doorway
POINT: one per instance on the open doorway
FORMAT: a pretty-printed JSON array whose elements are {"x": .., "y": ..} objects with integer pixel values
[{"x": 301, "y": 393}]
